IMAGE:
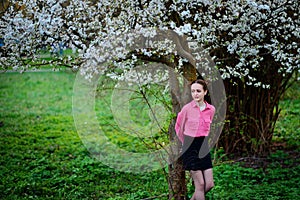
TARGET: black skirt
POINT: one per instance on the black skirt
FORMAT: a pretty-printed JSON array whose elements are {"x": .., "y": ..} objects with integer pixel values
[{"x": 195, "y": 154}]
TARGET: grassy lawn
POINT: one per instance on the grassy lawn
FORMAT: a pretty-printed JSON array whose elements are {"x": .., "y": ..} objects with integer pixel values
[{"x": 42, "y": 156}]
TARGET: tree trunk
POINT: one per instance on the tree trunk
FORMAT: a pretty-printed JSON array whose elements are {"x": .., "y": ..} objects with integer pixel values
[
  {"x": 176, "y": 174},
  {"x": 253, "y": 111},
  {"x": 180, "y": 96}
]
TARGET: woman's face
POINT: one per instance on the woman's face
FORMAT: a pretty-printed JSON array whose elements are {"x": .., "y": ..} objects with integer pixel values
[{"x": 198, "y": 92}]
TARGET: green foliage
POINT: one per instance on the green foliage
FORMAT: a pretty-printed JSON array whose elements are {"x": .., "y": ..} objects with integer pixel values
[
  {"x": 287, "y": 129},
  {"x": 42, "y": 156},
  {"x": 288, "y": 126},
  {"x": 235, "y": 182},
  {"x": 293, "y": 92}
]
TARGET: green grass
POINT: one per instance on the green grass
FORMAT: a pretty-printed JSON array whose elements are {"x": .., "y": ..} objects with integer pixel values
[{"x": 43, "y": 157}]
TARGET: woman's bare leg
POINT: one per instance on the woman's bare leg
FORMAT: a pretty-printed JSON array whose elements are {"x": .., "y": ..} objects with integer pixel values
[
  {"x": 199, "y": 183},
  {"x": 203, "y": 181},
  {"x": 208, "y": 179}
]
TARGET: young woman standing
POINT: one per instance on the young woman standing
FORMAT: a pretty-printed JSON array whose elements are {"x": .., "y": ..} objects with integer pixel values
[{"x": 192, "y": 127}]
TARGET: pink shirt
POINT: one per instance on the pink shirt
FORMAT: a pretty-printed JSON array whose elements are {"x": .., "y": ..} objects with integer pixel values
[{"x": 193, "y": 122}]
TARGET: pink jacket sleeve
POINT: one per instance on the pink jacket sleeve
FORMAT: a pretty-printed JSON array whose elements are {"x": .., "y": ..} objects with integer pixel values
[{"x": 179, "y": 126}]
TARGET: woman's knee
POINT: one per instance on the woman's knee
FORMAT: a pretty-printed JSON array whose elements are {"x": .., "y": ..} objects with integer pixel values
[
  {"x": 198, "y": 180},
  {"x": 200, "y": 185},
  {"x": 209, "y": 180}
]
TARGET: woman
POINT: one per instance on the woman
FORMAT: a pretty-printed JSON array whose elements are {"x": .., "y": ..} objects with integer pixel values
[{"x": 192, "y": 127}]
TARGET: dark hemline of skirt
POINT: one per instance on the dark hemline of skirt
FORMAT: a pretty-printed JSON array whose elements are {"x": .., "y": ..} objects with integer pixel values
[{"x": 192, "y": 158}]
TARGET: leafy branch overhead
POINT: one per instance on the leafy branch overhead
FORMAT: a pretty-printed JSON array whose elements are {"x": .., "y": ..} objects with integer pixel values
[{"x": 239, "y": 35}]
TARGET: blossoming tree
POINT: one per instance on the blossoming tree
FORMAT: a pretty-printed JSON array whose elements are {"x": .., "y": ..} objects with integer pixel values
[{"x": 254, "y": 44}]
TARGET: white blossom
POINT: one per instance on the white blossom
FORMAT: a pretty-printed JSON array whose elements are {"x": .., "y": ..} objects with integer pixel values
[{"x": 243, "y": 29}]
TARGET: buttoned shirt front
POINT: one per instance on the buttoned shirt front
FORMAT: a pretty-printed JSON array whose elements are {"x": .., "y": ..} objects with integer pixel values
[{"x": 191, "y": 121}]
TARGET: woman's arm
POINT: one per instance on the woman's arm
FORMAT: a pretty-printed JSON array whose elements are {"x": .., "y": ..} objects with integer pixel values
[{"x": 179, "y": 126}]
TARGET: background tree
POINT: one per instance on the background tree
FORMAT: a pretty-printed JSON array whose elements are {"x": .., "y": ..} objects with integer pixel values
[{"x": 255, "y": 45}]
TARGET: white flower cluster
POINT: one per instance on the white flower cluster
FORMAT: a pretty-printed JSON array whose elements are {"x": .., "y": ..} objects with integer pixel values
[
  {"x": 241, "y": 35},
  {"x": 145, "y": 74}
]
